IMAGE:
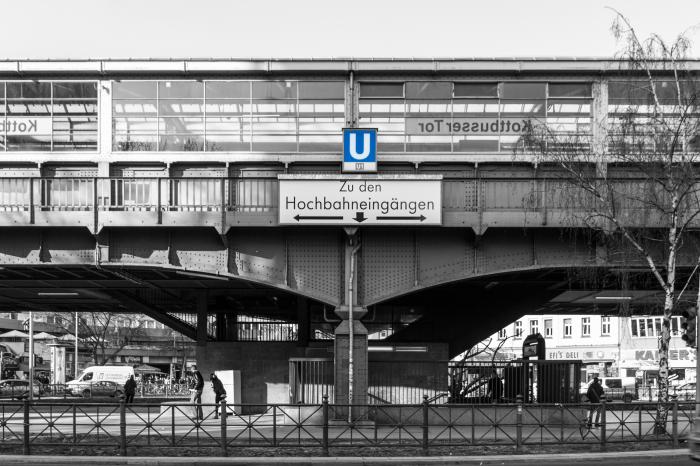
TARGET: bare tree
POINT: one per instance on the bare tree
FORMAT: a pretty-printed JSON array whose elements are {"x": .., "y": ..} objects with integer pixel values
[
  {"x": 632, "y": 176},
  {"x": 104, "y": 333},
  {"x": 465, "y": 380}
]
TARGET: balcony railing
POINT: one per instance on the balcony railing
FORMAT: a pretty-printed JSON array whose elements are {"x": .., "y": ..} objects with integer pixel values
[{"x": 222, "y": 202}]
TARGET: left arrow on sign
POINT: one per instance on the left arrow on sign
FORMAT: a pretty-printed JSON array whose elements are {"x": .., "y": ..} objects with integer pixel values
[{"x": 298, "y": 217}]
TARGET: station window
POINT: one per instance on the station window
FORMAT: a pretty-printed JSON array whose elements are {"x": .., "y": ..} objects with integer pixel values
[
  {"x": 48, "y": 115},
  {"x": 548, "y": 330},
  {"x": 605, "y": 326},
  {"x": 381, "y": 90},
  {"x": 260, "y": 116},
  {"x": 585, "y": 326},
  {"x": 518, "y": 329},
  {"x": 441, "y": 116},
  {"x": 503, "y": 334},
  {"x": 568, "y": 328}
]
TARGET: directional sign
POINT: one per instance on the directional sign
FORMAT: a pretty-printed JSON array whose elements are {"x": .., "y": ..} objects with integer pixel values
[
  {"x": 360, "y": 200},
  {"x": 359, "y": 150}
]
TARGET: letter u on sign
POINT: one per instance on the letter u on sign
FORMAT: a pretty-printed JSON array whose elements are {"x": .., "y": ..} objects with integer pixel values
[
  {"x": 360, "y": 145},
  {"x": 366, "y": 149}
]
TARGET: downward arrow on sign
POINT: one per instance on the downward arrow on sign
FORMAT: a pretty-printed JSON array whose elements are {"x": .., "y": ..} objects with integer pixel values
[{"x": 359, "y": 217}]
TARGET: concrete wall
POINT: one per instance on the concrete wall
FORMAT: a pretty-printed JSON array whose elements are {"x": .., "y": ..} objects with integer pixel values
[{"x": 261, "y": 364}]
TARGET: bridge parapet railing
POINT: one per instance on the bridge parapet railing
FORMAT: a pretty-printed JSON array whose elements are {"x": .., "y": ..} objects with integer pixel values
[
  {"x": 187, "y": 201},
  {"x": 32, "y": 427}
]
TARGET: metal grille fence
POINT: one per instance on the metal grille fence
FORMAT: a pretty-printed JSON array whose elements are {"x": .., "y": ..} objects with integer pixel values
[{"x": 31, "y": 427}]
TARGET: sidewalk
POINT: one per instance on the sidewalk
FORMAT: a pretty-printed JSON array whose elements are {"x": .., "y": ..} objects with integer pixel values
[{"x": 662, "y": 455}]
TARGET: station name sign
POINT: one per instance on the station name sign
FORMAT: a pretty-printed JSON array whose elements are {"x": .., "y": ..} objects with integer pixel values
[
  {"x": 360, "y": 199},
  {"x": 25, "y": 126},
  {"x": 480, "y": 126}
]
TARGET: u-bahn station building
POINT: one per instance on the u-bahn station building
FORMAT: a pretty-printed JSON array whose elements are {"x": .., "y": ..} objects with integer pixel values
[{"x": 211, "y": 196}]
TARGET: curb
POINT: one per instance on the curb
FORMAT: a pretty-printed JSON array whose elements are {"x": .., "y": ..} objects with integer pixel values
[{"x": 557, "y": 458}]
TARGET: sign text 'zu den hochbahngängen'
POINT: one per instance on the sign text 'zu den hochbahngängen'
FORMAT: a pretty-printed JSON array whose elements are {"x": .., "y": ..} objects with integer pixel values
[{"x": 355, "y": 200}]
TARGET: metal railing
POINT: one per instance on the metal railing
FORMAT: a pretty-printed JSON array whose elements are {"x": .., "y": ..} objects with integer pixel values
[
  {"x": 33, "y": 427},
  {"x": 407, "y": 381},
  {"x": 260, "y": 195}
]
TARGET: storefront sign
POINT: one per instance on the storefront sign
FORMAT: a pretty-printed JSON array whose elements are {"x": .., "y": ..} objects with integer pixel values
[
  {"x": 584, "y": 355},
  {"x": 478, "y": 126},
  {"x": 653, "y": 355},
  {"x": 25, "y": 126}
]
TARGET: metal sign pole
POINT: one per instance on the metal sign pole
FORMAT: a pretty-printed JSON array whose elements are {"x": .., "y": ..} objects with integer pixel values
[
  {"x": 31, "y": 355},
  {"x": 75, "y": 356}
]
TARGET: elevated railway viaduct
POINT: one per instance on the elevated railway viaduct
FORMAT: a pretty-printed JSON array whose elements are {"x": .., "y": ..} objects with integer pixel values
[{"x": 153, "y": 187}]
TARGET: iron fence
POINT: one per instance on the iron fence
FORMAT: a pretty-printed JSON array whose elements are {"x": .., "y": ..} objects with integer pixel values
[{"x": 32, "y": 426}]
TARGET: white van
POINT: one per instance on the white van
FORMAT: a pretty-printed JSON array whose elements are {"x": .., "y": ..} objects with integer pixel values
[{"x": 95, "y": 374}]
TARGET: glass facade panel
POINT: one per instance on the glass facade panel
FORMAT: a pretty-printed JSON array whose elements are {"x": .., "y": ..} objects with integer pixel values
[
  {"x": 569, "y": 90},
  {"x": 274, "y": 90},
  {"x": 48, "y": 116},
  {"x": 180, "y": 90},
  {"x": 228, "y": 90},
  {"x": 518, "y": 90},
  {"x": 134, "y": 89},
  {"x": 381, "y": 90},
  {"x": 230, "y": 116},
  {"x": 428, "y": 90},
  {"x": 322, "y": 90},
  {"x": 476, "y": 90},
  {"x": 474, "y": 119}
]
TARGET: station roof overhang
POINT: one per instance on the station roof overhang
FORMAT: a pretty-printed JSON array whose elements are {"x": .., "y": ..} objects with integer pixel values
[
  {"x": 69, "y": 288},
  {"x": 280, "y": 66}
]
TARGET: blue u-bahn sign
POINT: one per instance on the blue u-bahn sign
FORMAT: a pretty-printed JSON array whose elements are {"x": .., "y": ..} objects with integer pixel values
[{"x": 359, "y": 150}]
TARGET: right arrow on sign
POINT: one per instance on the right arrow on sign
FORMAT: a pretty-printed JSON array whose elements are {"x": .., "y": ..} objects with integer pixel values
[{"x": 417, "y": 217}]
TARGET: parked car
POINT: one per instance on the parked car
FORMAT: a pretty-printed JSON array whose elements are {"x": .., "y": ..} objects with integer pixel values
[
  {"x": 615, "y": 388},
  {"x": 18, "y": 389},
  {"x": 103, "y": 389},
  {"x": 685, "y": 392}
]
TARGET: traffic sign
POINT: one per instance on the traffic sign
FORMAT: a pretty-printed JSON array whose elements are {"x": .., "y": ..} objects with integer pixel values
[
  {"x": 360, "y": 199},
  {"x": 359, "y": 150}
]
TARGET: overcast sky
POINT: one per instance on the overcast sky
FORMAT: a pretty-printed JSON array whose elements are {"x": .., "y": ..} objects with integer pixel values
[{"x": 326, "y": 28}]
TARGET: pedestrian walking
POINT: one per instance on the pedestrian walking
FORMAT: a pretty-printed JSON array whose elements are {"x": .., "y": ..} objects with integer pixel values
[
  {"x": 130, "y": 389},
  {"x": 219, "y": 392},
  {"x": 595, "y": 394},
  {"x": 198, "y": 388},
  {"x": 495, "y": 388}
]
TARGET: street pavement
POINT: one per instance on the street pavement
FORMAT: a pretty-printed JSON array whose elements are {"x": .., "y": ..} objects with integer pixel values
[{"x": 640, "y": 458}]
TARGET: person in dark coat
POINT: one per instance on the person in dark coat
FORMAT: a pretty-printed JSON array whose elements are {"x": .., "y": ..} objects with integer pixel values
[
  {"x": 495, "y": 388},
  {"x": 595, "y": 394},
  {"x": 219, "y": 392},
  {"x": 130, "y": 389},
  {"x": 198, "y": 387}
]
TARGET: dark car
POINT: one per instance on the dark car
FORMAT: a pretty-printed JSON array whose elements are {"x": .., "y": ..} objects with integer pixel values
[
  {"x": 103, "y": 389},
  {"x": 18, "y": 389}
]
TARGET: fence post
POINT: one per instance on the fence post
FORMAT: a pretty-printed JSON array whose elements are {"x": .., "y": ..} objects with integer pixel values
[
  {"x": 519, "y": 423},
  {"x": 603, "y": 422},
  {"x": 224, "y": 442},
  {"x": 325, "y": 425},
  {"x": 122, "y": 427},
  {"x": 674, "y": 423},
  {"x": 425, "y": 425},
  {"x": 26, "y": 427}
]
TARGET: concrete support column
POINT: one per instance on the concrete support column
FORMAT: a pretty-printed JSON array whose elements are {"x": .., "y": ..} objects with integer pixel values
[
  {"x": 202, "y": 306},
  {"x": 360, "y": 359}
]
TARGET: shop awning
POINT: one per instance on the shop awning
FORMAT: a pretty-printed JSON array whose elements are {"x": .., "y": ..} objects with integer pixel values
[
  {"x": 146, "y": 369},
  {"x": 14, "y": 334}
]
